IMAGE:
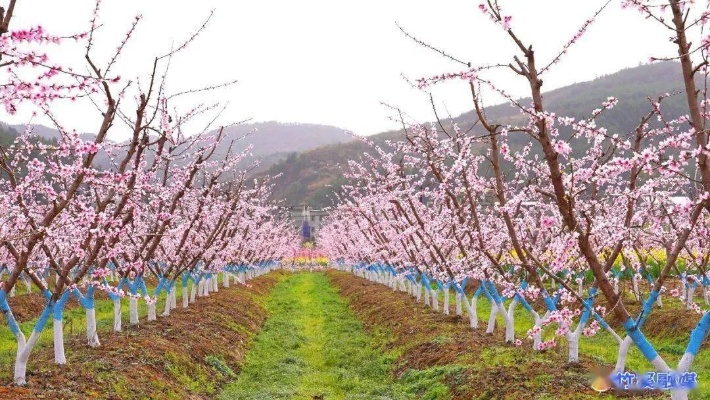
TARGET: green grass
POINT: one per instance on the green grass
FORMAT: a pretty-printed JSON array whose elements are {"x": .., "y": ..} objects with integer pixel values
[
  {"x": 429, "y": 384},
  {"x": 312, "y": 345}
]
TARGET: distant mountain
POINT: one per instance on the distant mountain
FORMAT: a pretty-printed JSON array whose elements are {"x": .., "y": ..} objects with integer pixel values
[
  {"x": 48, "y": 133},
  {"x": 311, "y": 177},
  {"x": 310, "y": 159},
  {"x": 271, "y": 141},
  {"x": 277, "y": 137},
  {"x": 274, "y": 141},
  {"x": 7, "y": 135},
  {"x": 630, "y": 86}
]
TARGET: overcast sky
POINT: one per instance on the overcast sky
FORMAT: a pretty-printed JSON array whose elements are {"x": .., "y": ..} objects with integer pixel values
[{"x": 333, "y": 62}]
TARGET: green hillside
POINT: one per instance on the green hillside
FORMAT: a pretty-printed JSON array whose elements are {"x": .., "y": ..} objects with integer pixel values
[{"x": 311, "y": 177}]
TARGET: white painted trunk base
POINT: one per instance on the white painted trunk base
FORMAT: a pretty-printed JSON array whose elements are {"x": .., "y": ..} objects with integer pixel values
[
  {"x": 173, "y": 298},
  {"x": 151, "y": 310},
  {"x": 446, "y": 301},
  {"x": 622, "y": 354},
  {"x": 92, "y": 336},
  {"x": 133, "y": 311},
  {"x": 168, "y": 304},
  {"x": 492, "y": 320},
  {"x": 511, "y": 311},
  {"x": 193, "y": 293},
  {"x": 537, "y": 338},
  {"x": 509, "y": 326},
  {"x": 683, "y": 366},
  {"x": 472, "y": 310},
  {"x": 23, "y": 354},
  {"x": 58, "y": 328},
  {"x": 117, "y": 315},
  {"x": 573, "y": 345},
  {"x": 690, "y": 298}
]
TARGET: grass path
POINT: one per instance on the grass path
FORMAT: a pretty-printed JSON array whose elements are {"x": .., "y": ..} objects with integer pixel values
[{"x": 312, "y": 347}]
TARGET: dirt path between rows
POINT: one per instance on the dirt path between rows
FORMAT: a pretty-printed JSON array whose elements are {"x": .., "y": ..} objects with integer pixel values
[
  {"x": 189, "y": 355},
  {"x": 470, "y": 363}
]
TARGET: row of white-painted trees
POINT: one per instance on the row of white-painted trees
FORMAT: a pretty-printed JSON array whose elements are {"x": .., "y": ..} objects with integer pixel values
[
  {"x": 134, "y": 219},
  {"x": 547, "y": 207}
]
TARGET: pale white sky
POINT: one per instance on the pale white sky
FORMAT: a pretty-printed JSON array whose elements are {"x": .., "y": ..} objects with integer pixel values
[{"x": 333, "y": 62}]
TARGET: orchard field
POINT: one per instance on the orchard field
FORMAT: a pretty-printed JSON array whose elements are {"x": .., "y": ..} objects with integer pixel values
[
  {"x": 329, "y": 333},
  {"x": 531, "y": 255}
]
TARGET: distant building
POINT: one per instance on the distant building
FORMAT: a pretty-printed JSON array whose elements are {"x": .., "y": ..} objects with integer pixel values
[{"x": 307, "y": 220}]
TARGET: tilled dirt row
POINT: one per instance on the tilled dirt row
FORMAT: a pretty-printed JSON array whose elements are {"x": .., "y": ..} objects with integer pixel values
[
  {"x": 188, "y": 355},
  {"x": 490, "y": 369}
]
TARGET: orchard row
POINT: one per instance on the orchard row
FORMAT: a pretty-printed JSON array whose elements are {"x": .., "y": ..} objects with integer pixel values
[
  {"x": 84, "y": 215},
  {"x": 542, "y": 210}
]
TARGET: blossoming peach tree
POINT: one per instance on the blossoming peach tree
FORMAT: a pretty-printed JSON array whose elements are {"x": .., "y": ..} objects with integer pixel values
[
  {"x": 547, "y": 206},
  {"x": 85, "y": 215}
]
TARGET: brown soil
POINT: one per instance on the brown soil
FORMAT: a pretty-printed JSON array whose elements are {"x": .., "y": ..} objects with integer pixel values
[
  {"x": 668, "y": 322},
  {"x": 28, "y": 307},
  {"x": 172, "y": 358},
  {"x": 425, "y": 339}
]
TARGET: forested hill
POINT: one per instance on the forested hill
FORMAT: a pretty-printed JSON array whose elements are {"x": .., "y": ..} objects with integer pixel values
[
  {"x": 274, "y": 141},
  {"x": 310, "y": 158},
  {"x": 631, "y": 86},
  {"x": 311, "y": 177},
  {"x": 7, "y": 135},
  {"x": 271, "y": 141}
]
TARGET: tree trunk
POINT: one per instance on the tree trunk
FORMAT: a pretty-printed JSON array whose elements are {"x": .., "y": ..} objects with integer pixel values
[
  {"x": 133, "y": 310},
  {"x": 446, "y": 301},
  {"x": 58, "y": 327},
  {"x": 117, "y": 315},
  {"x": 168, "y": 304},
  {"x": 690, "y": 298},
  {"x": 492, "y": 320},
  {"x": 459, "y": 310},
  {"x": 193, "y": 293},
  {"x": 92, "y": 337}
]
